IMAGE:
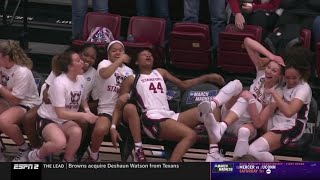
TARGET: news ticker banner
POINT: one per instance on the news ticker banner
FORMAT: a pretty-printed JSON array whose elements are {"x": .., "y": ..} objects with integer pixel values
[{"x": 213, "y": 171}]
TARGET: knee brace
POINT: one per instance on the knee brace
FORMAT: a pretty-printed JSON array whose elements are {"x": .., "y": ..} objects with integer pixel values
[
  {"x": 232, "y": 88},
  {"x": 240, "y": 107}
]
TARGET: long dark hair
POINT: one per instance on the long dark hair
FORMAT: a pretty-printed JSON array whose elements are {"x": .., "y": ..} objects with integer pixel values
[{"x": 299, "y": 58}]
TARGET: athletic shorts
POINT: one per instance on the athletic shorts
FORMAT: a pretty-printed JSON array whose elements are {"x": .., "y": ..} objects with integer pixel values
[
  {"x": 151, "y": 121},
  {"x": 293, "y": 134}
]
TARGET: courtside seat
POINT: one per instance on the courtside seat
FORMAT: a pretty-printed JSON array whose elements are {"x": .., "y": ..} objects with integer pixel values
[
  {"x": 146, "y": 33},
  {"x": 98, "y": 19},
  {"x": 190, "y": 46},
  {"x": 232, "y": 55}
]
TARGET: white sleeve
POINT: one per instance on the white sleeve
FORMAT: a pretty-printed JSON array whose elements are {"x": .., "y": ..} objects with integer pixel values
[
  {"x": 103, "y": 64},
  {"x": 57, "y": 95},
  {"x": 50, "y": 78},
  {"x": 303, "y": 93},
  {"x": 23, "y": 81}
]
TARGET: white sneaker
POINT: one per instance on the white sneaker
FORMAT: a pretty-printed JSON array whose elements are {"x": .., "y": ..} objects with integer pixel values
[
  {"x": 33, "y": 157},
  {"x": 22, "y": 156},
  {"x": 2, "y": 158},
  {"x": 215, "y": 157},
  {"x": 204, "y": 107}
]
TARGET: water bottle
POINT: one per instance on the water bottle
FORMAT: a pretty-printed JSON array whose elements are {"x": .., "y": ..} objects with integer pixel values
[
  {"x": 161, "y": 153},
  {"x": 130, "y": 38}
]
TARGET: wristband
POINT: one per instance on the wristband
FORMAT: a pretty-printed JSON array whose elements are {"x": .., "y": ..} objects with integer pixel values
[
  {"x": 113, "y": 126},
  {"x": 251, "y": 101}
]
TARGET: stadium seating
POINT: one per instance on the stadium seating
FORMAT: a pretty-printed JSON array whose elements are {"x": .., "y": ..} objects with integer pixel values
[
  {"x": 146, "y": 33},
  {"x": 232, "y": 55},
  {"x": 190, "y": 46},
  {"x": 98, "y": 19}
]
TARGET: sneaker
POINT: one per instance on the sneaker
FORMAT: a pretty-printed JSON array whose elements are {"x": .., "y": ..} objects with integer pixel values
[
  {"x": 90, "y": 159},
  {"x": 22, "y": 156},
  {"x": 33, "y": 157},
  {"x": 2, "y": 158},
  {"x": 215, "y": 157},
  {"x": 204, "y": 109},
  {"x": 138, "y": 155}
]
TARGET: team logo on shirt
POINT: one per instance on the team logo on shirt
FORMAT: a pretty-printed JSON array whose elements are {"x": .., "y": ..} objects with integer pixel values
[
  {"x": 119, "y": 79},
  {"x": 75, "y": 98},
  {"x": 4, "y": 79}
]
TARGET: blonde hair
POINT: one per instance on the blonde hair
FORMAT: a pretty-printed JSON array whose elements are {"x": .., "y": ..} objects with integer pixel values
[{"x": 15, "y": 53}]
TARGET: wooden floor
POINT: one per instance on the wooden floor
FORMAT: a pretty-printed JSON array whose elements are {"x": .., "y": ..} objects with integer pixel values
[{"x": 153, "y": 153}]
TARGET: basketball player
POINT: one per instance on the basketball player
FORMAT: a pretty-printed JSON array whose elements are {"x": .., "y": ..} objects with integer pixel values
[
  {"x": 290, "y": 119},
  {"x": 236, "y": 118},
  {"x": 58, "y": 120},
  {"x": 158, "y": 121},
  {"x": 19, "y": 90},
  {"x": 111, "y": 73},
  {"x": 88, "y": 53}
]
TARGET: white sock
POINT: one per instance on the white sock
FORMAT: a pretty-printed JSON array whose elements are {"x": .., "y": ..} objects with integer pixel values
[
  {"x": 215, "y": 130},
  {"x": 24, "y": 146},
  {"x": 260, "y": 150},
  {"x": 137, "y": 146},
  {"x": 93, "y": 155},
  {"x": 231, "y": 89},
  {"x": 242, "y": 146},
  {"x": 213, "y": 148}
]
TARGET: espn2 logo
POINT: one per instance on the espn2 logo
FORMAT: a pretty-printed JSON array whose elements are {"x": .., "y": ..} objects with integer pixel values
[{"x": 26, "y": 166}]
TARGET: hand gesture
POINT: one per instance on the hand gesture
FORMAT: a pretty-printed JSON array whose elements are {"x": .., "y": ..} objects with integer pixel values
[
  {"x": 278, "y": 59},
  {"x": 239, "y": 21},
  {"x": 90, "y": 117},
  {"x": 115, "y": 137},
  {"x": 247, "y": 95},
  {"x": 216, "y": 78},
  {"x": 125, "y": 58}
]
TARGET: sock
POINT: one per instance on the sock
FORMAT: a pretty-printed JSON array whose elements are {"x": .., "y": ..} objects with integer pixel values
[
  {"x": 24, "y": 146},
  {"x": 93, "y": 155},
  {"x": 260, "y": 150},
  {"x": 242, "y": 146},
  {"x": 213, "y": 148},
  {"x": 215, "y": 130},
  {"x": 137, "y": 146},
  {"x": 231, "y": 89}
]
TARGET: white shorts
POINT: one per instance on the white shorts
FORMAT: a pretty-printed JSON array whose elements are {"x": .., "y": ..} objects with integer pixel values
[
  {"x": 162, "y": 114},
  {"x": 151, "y": 121}
]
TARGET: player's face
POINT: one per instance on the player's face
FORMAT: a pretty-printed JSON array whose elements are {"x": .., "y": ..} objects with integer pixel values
[
  {"x": 145, "y": 58},
  {"x": 292, "y": 77},
  {"x": 115, "y": 51},
  {"x": 273, "y": 72},
  {"x": 77, "y": 64},
  {"x": 88, "y": 56}
]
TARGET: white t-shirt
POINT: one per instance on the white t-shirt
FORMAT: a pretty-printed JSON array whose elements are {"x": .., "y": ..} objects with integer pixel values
[
  {"x": 303, "y": 92},
  {"x": 90, "y": 77},
  {"x": 257, "y": 89},
  {"x": 152, "y": 92},
  {"x": 20, "y": 81},
  {"x": 106, "y": 90},
  {"x": 63, "y": 93},
  {"x": 50, "y": 78}
]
